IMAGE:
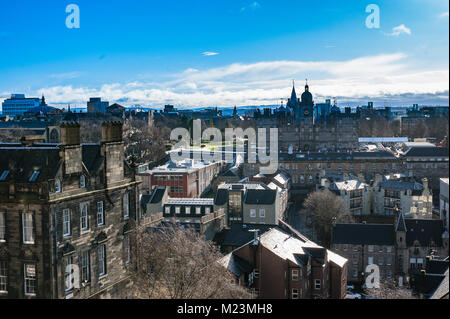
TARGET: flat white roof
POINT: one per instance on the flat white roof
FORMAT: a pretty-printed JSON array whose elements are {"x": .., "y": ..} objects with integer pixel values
[
  {"x": 190, "y": 201},
  {"x": 383, "y": 140}
]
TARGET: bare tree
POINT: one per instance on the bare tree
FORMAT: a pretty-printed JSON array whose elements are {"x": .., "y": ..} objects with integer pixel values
[
  {"x": 325, "y": 208},
  {"x": 388, "y": 290},
  {"x": 13, "y": 135},
  {"x": 174, "y": 263},
  {"x": 145, "y": 142}
]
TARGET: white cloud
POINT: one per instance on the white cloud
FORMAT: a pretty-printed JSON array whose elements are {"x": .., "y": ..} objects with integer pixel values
[
  {"x": 252, "y": 6},
  {"x": 210, "y": 53},
  {"x": 385, "y": 76},
  {"x": 444, "y": 15},
  {"x": 396, "y": 31},
  {"x": 66, "y": 76}
]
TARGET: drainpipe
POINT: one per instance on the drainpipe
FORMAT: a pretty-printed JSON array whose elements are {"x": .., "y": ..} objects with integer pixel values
[
  {"x": 55, "y": 257},
  {"x": 363, "y": 272}
]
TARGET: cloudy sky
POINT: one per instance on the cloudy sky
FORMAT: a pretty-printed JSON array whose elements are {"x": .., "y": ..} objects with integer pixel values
[{"x": 200, "y": 53}]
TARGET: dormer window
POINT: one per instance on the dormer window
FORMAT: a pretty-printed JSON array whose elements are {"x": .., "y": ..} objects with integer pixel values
[
  {"x": 82, "y": 181},
  {"x": 57, "y": 186},
  {"x": 34, "y": 176},
  {"x": 4, "y": 176}
]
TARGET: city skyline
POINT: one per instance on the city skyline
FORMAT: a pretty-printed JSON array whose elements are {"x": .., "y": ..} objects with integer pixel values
[{"x": 222, "y": 53}]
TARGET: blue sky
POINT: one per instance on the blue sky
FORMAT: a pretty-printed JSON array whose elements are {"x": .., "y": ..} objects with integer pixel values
[{"x": 225, "y": 52}]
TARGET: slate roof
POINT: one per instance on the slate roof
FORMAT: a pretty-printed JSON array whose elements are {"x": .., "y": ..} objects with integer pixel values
[
  {"x": 238, "y": 236},
  {"x": 157, "y": 195},
  {"x": 427, "y": 152},
  {"x": 424, "y": 230},
  {"x": 260, "y": 197},
  {"x": 92, "y": 158},
  {"x": 432, "y": 283},
  {"x": 317, "y": 254},
  {"x": 22, "y": 162},
  {"x": 364, "y": 234},
  {"x": 437, "y": 266},
  {"x": 442, "y": 290},
  {"x": 221, "y": 197},
  {"x": 402, "y": 185},
  {"x": 236, "y": 265}
]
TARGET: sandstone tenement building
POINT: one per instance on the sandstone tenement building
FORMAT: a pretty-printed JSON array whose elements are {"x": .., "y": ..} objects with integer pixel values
[{"x": 66, "y": 204}]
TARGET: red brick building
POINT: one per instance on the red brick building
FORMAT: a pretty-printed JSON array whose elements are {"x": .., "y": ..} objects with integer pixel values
[
  {"x": 283, "y": 264},
  {"x": 183, "y": 179}
]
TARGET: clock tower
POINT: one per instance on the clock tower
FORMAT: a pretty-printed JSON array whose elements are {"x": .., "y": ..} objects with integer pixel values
[{"x": 307, "y": 104}]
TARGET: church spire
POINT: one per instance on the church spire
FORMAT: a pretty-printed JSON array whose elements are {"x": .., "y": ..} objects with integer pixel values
[
  {"x": 43, "y": 100},
  {"x": 293, "y": 94},
  {"x": 401, "y": 224}
]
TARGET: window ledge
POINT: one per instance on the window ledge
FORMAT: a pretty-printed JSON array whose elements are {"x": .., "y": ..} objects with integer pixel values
[{"x": 102, "y": 277}]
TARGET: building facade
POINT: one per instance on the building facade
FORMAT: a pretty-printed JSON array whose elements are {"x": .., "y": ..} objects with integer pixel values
[
  {"x": 96, "y": 105},
  {"x": 283, "y": 264},
  {"x": 415, "y": 200},
  {"x": 195, "y": 213},
  {"x": 253, "y": 202},
  {"x": 66, "y": 211},
  {"x": 17, "y": 105},
  {"x": 400, "y": 250},
  {"x": 184, "y": 179}
]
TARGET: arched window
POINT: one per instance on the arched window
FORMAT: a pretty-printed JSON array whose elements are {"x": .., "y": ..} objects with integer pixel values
[
  {"x": 57, "y": 186},
  {"x": 82, "y": 181}
]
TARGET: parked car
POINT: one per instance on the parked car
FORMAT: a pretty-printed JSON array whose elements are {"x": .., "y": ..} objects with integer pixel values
[{"x": 353, "y": 296}]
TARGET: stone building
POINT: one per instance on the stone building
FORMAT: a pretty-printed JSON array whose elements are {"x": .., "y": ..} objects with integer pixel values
[
  {"x": 304, "y": 126},
  {"x": 199, "y": 214},
  {"x": 400, "y": 250},
  {"x": 355, "y": 194},
  {"x": 65, "y": 214},
  {"x": 308, "y": 168},
  {"x": 252, "y": 201},
  {"x": 283, "y": 264},
  {"x": 382, "y": 195},
  {"x": 415, "y": 200}
]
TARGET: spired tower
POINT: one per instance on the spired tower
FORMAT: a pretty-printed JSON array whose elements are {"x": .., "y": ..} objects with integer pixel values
[
  {"x": 307, "y": 103},
  {"x": 402, "y": 256},
  {"x": 293, "y": 103}
]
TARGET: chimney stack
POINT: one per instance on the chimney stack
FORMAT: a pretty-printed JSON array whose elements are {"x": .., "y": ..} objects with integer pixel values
[
  {"x": 112, "y": 132},
  {"x": 425, "y": 183},
  {"x": 113, "y": 152},
  {"x": 255, "y": 237},
  {"x": 70, "y": 148},
  {"x": 70, "y": 133}
]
